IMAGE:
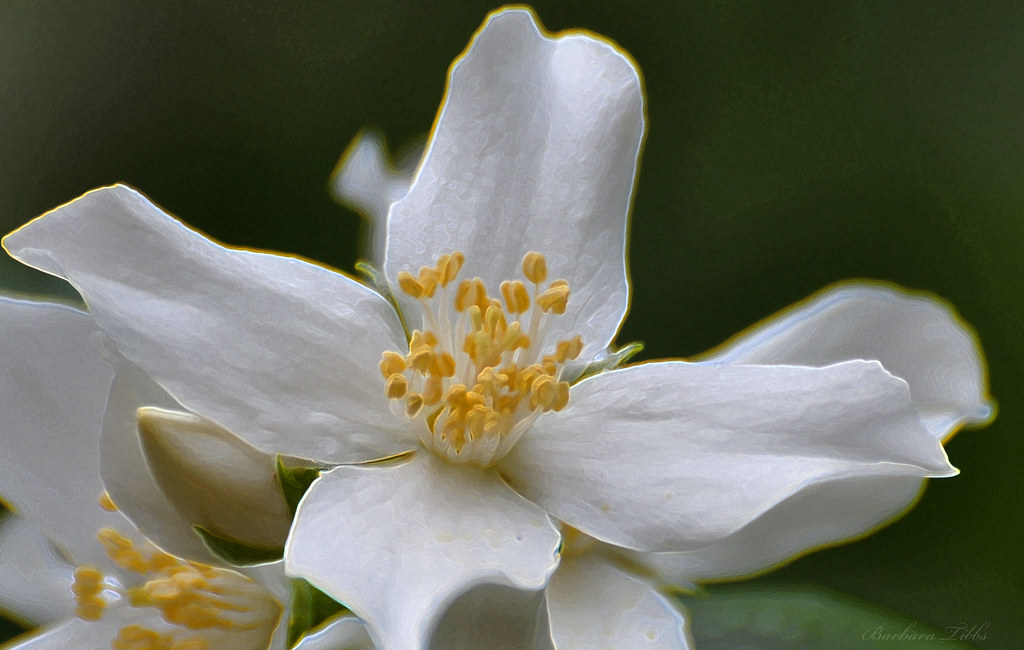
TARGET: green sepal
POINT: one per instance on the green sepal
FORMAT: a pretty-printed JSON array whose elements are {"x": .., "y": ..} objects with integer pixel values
[
  {"x": 612, "y": 361},
  {"x": 309, "y": 608},
  {"x": 786, "y": 616},
  {"x": 295, "y": 481},
  {"x": 238, "y": 553},
  {"x": 379, "y": 282}
]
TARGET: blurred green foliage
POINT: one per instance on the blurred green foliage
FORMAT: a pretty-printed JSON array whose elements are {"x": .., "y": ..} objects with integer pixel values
[{"x": 790, "y": 145}]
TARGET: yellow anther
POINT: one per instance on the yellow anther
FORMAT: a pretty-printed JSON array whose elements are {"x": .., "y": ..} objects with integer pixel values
[
  {"x": 561, "y": 397},
  {"x": 421, "y": 359},
  {"x": 194, "y": 643},
  {"x": 422, "y": 340},
  {"x": 555, "y": 298},
  {"x": 396, "y": 387},
  {"x": 514, "y": 337},
  {"x": 428, "y": 279},
  {"x": 88, "y": 589},
  {"x": 107, "y": 503},
  {"x": 517, "y": 300},
  {"x": 413, "y": 404},
  {"x": 571, "y": 349},
  {"x": 136, "y": 637},
  {"x": 543, "y": 392},
  {"x": 476, "y": 318},
  {"x": 433, "y": 391},
  {"x": 392, "y": 363},
  {"x": 442, "y": 365},
  {"x": 535, "y": 267},
  {"x": 495, "y": 319},
  {"x": 448, "y": 267},
  {"x": 456, "y": 395},
  {"x": 409, "y": 284}
]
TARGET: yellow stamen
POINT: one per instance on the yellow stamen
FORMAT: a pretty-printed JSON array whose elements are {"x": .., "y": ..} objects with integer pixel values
[
  {"x": 487, "y": 348},
  {"x": 535, "y": 267}
]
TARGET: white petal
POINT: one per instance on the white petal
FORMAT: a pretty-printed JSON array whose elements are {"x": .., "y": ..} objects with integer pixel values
[
  {"x": 214, "y": 478},
  {"x": 72, "y": 633},
  {"x": 597, "y": 606},
  {"x": 822, "y": 513},
  {"x": 674, "y": 456},
  {"x": 368, "y": 181},
  {"x": 495, "y": 617},
  {"x": 917, "y": 337},
  {"x": 535, "y": 148},
  {"x": 280, "y": 351},
  {"x": 53, "y": 386},
  {"x": 35, "y": 586},
  {"x": 342, "y": 633},
  {"x": 127, "y": 477},
  {"x": 396, "y": 543}
]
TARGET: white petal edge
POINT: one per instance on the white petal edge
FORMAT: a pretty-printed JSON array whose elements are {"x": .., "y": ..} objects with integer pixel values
[
  {"x": 674, "y": 456},
  {"x": 819, "y": 515},
  {"x": 916, "y": 336},
  {"x": 396, "y": 543},
  {"x": 280, "y": 351},
  {"x": 35, "y": 586},
  {"x": 535, "y": 148},
  {"x": 368, "y": 181},
  {"x": 343, "y": 633},
  {"x": 53, "y": 387},
  {"x": 595, "y": 605},
  {"x": 71, "y": 633},
  {"x": 126, "y": 475}
]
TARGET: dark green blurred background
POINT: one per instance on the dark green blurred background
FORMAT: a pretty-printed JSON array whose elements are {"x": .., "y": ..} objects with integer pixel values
[{"x": 790, "y": 146}]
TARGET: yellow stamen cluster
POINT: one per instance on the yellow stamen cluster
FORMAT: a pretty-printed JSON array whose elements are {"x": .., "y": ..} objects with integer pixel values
[
  {"x": 136, "y": 637},
  {"x": 479, "y": 377},
  {"x": 187, "y": 595}
]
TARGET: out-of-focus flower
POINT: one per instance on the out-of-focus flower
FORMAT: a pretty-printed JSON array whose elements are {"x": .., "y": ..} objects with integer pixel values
[
  {"x": 530, "y": 169},
  {"x": 70, "y": 558}
]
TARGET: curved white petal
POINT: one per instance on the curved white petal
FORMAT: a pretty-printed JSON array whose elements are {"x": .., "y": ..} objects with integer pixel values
[
  {"x": 72, "y": 633},
  {"x": 820, "y": 514},
  {"x": 368, "y": 181},
  {"x": 126, "y": 475},
  {"x": 280, "y": 351},
  {"x": 53, "y": 386},
  {"x": 674, "y": 456},
  {"x": 594, "y": 605},
  {"x": 916, "y": 337},
  {"x": 396, "y": 543},
  {"x": 494, "y": 617},
  {"x": 342, "y": 633},
  {"x": 535, "y": 149},
  {"x": 35, "y": 586}
]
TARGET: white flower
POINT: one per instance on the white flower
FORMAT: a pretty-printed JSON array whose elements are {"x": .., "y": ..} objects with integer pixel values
[
  {"x": 70, "y": 559},
  {"x": 528, "y": 174}
]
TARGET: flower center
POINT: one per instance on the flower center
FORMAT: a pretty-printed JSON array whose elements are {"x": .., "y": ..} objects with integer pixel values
[
  {"x": 199, "y": 604},
  {"x": 474, "y": 373}
]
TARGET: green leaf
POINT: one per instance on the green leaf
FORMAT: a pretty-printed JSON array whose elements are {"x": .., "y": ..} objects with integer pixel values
[
  {"x": 295, "y": 481},
  {"x": 238, "y": 553},
  {"x": 612, "y": 361},
  {"x": 309, "y": 608},
  {"x": 743, "y": 616}
]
